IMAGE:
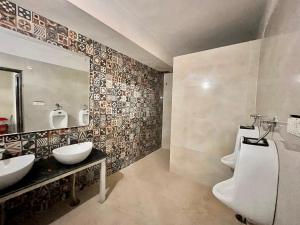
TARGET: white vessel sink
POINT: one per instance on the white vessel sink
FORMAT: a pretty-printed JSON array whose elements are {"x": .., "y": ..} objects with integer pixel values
[
  {"x": 14, "y": 169},
  {"x": 73, "y": 154}
]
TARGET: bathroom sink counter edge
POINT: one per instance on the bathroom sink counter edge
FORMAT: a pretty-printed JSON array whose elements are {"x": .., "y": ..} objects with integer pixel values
[{"x": 47, "y": 169}]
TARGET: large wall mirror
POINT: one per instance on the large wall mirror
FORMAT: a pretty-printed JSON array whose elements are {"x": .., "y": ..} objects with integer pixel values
[{"x": 42, "y": 86}]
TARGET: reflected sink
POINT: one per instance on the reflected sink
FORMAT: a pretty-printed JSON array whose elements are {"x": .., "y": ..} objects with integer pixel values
[
  {"x": 72, "y": 154},
  {"x": 14, "y": 169}
]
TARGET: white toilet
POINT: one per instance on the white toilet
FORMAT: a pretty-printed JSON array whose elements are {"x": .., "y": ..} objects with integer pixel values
[
  {"x": 84, "y": 117},
  {"x": 230, "y": 160},
  {"x": 58, "y": 119},
  {"x": 252, "y": 191}
]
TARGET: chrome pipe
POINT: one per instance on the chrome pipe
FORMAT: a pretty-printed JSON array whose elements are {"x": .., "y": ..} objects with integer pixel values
[
  {"x": 271, "y": 126},
  {"x": 75, "y": 201},
  {"x": 256, "y": 118}
]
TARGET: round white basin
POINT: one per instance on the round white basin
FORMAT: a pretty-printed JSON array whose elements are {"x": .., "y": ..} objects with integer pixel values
[
  {"x": 14, "y": 169},
  {"x": 73, "y": 154}
]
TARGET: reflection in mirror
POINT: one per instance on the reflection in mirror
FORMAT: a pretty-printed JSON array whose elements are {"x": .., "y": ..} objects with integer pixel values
[
  {"x": 44, "y": 92},
  {"x": 11, "y": 120}
]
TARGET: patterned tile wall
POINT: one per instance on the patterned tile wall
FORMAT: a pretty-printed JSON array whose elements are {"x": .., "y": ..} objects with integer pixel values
[{"x": 125, "y": 104}]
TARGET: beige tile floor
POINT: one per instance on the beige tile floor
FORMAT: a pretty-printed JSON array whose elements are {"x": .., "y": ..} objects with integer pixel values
[{"x": 145, "y": 193}]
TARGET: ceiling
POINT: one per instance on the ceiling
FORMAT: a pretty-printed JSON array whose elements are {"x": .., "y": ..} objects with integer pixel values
[
  {"x": 80, "y": 21},
  {"x": 155, "y": 31}
]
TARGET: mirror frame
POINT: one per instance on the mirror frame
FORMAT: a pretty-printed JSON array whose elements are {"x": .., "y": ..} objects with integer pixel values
[
  {"x": 18, "y": 99},
  {"x": 18, "y": 93}
]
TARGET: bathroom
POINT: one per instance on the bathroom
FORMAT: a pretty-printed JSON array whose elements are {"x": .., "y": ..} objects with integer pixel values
[{"x": 149, "y": 112}]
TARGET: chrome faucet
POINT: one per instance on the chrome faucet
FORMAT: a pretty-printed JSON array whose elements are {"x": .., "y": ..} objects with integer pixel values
[
  {"x": 2, "y": 152},
  {"x": 68, "y": 139},
  {"x": 271, "y": 124},
  {"x": 257, "y": 117},
  {"x": 58, "y": 106}
]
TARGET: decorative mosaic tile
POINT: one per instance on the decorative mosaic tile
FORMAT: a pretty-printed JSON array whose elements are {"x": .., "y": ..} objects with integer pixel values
[
  {"x": 7, "y": 20},
  {"x": 52, "y": 147},
  {"x": 25, "y": 25},
  {"x": 74, "y": 138},
  {"x": 2, "y": 142},
  {"x": 42, "y": 134},
  {"x": 39, "y": 31},
  {"x": 24, "y": 13},
  {"x": 90, "y": 47},
  {"x": 8, "y": 7},
  {"x": 63, "y": 139},
  {"x": 41, "y": 142},
  {"x": 97, "y": 59},
  {"x": 82, "y": 135},
  {"x": 81, "y": 47},
  {"x": 66, "y": 131},
  {"x": 54, "y": 140},
  {"x": 73, "y": 130},
  {"x": 12, "y": 138},
  {"x": 28, "y": 147},
  {"x": 72, "y": 35},
  {"x": 51, "y": 34},
  {"x": 14, "y": 148},
  {"x": 39, "y": 20},
  {"x": 28, "y": 136},
  {"x": 42, "y": 152},
  {"x": 53, "y": 133},
  {"x": 73, "y": 45},
  {"x": 51, "y": 24},
  {"x": 125, "y": 105},
  {"x": 62, "y": 30},
  {"x": 89, "y": 134},
  {"x": 82, "y": 38},
  {"x": 62, "y": 39}
]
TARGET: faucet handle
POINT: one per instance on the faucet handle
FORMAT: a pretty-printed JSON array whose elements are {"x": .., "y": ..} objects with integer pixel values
[
  {"x": 271, "y": 123},
  {"x": 255, "y": 116},
  {"x": 58, "y": 106},
  {"x": 85, "y": 107},
  {"x": 257, "y": 119}
]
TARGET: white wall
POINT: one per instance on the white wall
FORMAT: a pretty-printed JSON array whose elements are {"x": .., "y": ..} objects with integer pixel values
[
  {"x": 167, "y": 109},
  {"x": 278, "y": 95},
  {"x": 213, "y": 92},
  {"x": 6, "y": 94}
]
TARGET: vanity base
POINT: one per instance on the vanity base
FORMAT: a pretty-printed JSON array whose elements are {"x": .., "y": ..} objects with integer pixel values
[{"x": 49, "y": 170}]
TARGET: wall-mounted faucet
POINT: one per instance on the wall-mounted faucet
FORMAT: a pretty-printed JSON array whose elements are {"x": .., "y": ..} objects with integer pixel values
[
  {"x": 257, "y": 119},
  {"x": 68, "y": 139},
  {"x": 85, "y": 107},
  {"x": 271, "y": 124},
  {"x": 71, "y": 140},
  {"x": 58, "y": 106}
]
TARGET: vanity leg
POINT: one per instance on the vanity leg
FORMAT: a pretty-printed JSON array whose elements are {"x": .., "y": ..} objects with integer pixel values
[
  {"x": 102, "y": 182},
  {"x": 2, "y": 213},
  {"x": 75, "y": 201}
]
